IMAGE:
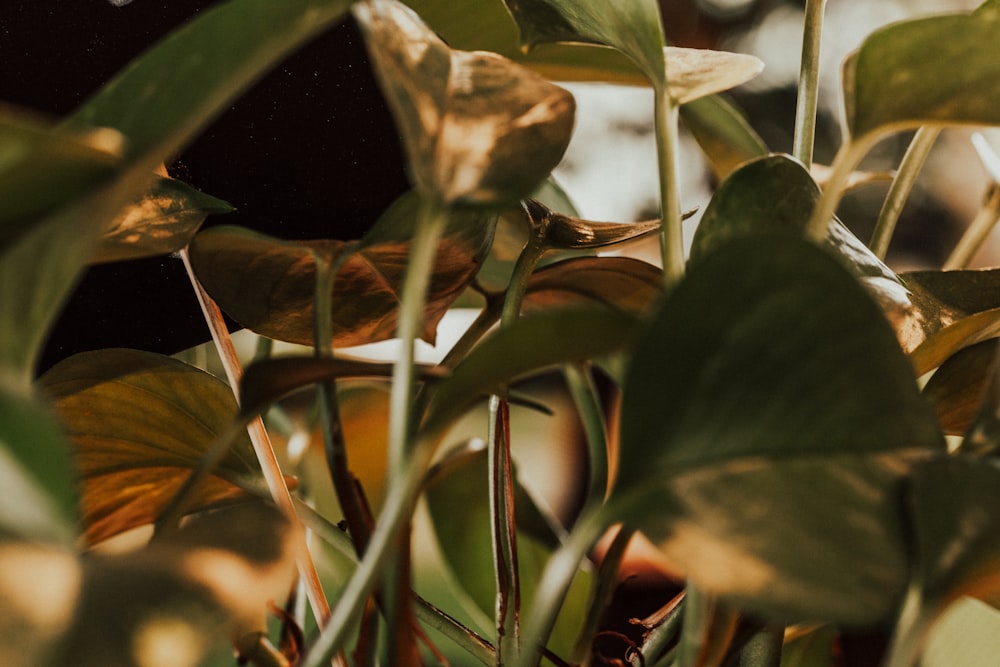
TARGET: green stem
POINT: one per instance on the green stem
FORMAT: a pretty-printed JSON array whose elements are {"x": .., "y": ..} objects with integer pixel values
[
  {"x": 668, "y": 625},
  {"x": 666, "y": 113},
  {"x": 977, "y": 232},
  {"x": 805, "y": 112},
  {"x": 694, "y": 626},
  {"x": 555, "y": 582},
  {"x": 607, "y": 581},
  {"x": 580, "y": 383},
  {"x": 911, "y": 628},
  {"x": 902, "y": 185},
  {"x": 846, "y": 160}
]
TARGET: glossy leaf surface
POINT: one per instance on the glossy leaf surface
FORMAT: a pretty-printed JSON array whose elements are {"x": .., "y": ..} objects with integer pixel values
[
  {"x": 957, "y": 388},
  {"x": 768, "y": 417},
  {"x": 477, "y": 128},
  {"x": 619, "y": 283},
  {"x": 139, "y": 422},
  {"x": 891, "y": 83},
  {"x": 162, "y": 221}
]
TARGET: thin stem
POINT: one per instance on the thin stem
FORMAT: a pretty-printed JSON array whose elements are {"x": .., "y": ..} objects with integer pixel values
[
  {"x": 607, "y": 581},
  {"x": 846, "y": 160},
  {"x": 805, "y": 111},
  {"x": 977, "y": 232},
  {"x": 694, "y": 625},
  {"x": 666, "y": 113},
  {"x": 554, "y": 583},
  {"x": 261, "y": 443},
  {"x": 902, "y": 185},
  {"x": 667, "y": 626},
  {"x": 580, "y": 382}
]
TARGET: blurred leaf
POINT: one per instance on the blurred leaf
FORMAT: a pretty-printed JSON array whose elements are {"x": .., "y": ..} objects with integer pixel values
[
  {"x": 630, "y": 26},
  {"x": 776, "y": 194},
  {"x": 530, "y": 344},
  {"x": 890, "y": 83},
  {"x": 139, "y": 423},
  {"x": 42, "y": 169},
  {"x": 37, "y": 478},
  {"x": 620, "y": 283},
  {"x": 952, "y": 310},
  {"x": 967, "y": 634},
  {"x": 693, "y": 74},
  {"x": 269, "y": 285},
  {"x": 812, "y": 648},
  {"x": 162, "y": 221},
  {"x": 766, "y": 423},
  {"x": 477, "y": 128},
  {"x": 723, "y": 133},
  {"x": 957, "y": 388}
]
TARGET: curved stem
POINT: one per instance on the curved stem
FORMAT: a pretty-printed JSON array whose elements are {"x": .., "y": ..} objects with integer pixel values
[
  {"x": 580, "y": 382},
  {"x": 977, "y": 232},
  {"x": 607, "y": 581},
  {"x": 846, "y": 160},
  {"x": 666, "y": 115},
  {"x": 901, "y": 187},
  {"x": 805, "y": 111}
]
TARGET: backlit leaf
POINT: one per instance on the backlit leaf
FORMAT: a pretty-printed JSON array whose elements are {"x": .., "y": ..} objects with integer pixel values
[
  {"x": 768, "y": 418},
  {"x": 723, "y": 134},
  {"x": 477, "y": 128},
  {"x": 926, "y": 71},
  {"x": 139, "y": 422},
  {"x": 696, "y": 73},
  {"x": 620, "y": 283},
  {"x": 957, "y": 388},
  {"x": 162, "y": 221}
]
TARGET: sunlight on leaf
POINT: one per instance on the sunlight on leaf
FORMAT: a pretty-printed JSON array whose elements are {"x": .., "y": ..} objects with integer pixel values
[
  {"x": 715, "y": 435},
  {"x": 696, "y": 73},
  {"x": 957, "y": 388},
  {"x": 139, "y": 423},
  {"x": 162, "y": 221},
  {"x": 477, "y": 128},
  {"x": 723, "y": 133}
]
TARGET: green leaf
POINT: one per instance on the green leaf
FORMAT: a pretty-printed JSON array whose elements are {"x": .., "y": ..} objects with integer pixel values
[
  {"x": 927, "y": 71},
  {"x": 139, "y": 423},
  {"x": 957, "y": 388},
  {"x": 630, "y": 26},
  {"x": 620, "y": 283},
  {"x": 767, "y": 419},
  {"x": 38, "y": 481},
  {"x": 162, "y": 221},
  {"x": 269, "y": 285},
  {"x": 723, "y": 134},
  {"x": 530, "y": 344},
  {"x": 477, "y": 128}
]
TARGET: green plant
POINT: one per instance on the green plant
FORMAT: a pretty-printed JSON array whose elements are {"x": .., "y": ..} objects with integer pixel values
[{"x": 770, "y": 435}]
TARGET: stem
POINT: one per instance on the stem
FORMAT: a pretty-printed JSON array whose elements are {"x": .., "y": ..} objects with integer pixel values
[
  {"x": 668, "y": 624},
  {"x": 901, "y": 186},
  {"x": 846, "y": 160},
  {"x": 607, "y": 581},
  {"x": 666, "y": 114},
  {"x": 697, "y": 608},
  {"x": 585, "y": 395},
  {"x": 261, "y": 443},
  {"x": 911, "y": 628},
  {"x": 805, "y": 111},
  {"x": 555, "y": 582},
  {"x": 977, "y": 232}
]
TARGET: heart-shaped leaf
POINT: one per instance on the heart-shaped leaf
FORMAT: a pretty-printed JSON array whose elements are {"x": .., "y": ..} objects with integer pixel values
[
  {"x": 38, "y": 481},
  {"x": 477, "y": 128},
  {"x": 620, "y": 283},
  {"x": 269, "y": 285},
  {"x": 768, "y": 418},
  {"x": 926, "y": 71},
  {"x": 957, "y": 388},
  {"x": 162, "y": 221},
  {"x": 139, "y": 423}
]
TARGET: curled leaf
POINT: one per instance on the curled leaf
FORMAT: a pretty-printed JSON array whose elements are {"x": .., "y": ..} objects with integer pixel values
[{"x": 477, "y": 128}]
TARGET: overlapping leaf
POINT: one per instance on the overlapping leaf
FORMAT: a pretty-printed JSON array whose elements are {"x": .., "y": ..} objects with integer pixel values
[
  {"x": 958, "y": 386},
  {"x": 768, "y": 418},
  {"x": 139, "y": 422},
  {"x": 620, "y": 283},
  {"x": 477, "y": 128}
]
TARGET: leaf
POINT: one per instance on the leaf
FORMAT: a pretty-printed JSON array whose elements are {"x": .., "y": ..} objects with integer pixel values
[
  {"x": 723, "y": 134},
  {"x": 269, "y": 285},
  {"x": 768, "y": 418},
  {"x": 927, "y": 71},
  {"x": 139, "y": 423},
  {"x": 564, "y": 232},
  {"x": 620, "y": 283},
  {"x": 957, "y": 388},
  {"x": 37, "y": 478},
  {"x": 693, "y": 74},
  {"x": 630, "y": 26},
  {"x": 162, "y": 221},
  {"x": 530, "y": 344},
  {"x": 477, "y": 128},
  {"x": 952, "y": 310}
]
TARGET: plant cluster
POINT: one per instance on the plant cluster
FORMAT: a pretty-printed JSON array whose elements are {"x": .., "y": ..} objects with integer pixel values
[{"x": 807, "y": 437}]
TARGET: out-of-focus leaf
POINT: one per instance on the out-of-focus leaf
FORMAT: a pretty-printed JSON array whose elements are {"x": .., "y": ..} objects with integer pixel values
[
  {"x": 890, "y": 83},
  {"x": 477, "y": 128},
  {"x": 957, "y": 388},
  {"x": 459, "y": 507},
  {"x": 530, "y": 344},
  {"x": 631, "y": 27},
  {"x": 952, "y": 310},
  {"x": 693, "y": 74},
  {"x": 768, "y": 419},
  {"x": 814, "y": 647},
  {"x": 269, "y": 285},
  {"x": 42, "y": 169},
  {"x": 619, "y": 283},
  {"x": 967, "y": 634},
  {"x": 723, "y": 133},
  {"x": 162, "y": 221},
  {"x": 139, "y": 423},
  {"x": 37, "y": 478},
  {"x": 776, "y": 194}
]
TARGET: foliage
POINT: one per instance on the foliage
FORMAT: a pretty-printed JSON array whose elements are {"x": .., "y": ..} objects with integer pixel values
[{"x": 760, "y": 409}]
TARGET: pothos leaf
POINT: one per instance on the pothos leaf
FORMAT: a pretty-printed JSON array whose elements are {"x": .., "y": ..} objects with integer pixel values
[{"x": 477, "y": 128}]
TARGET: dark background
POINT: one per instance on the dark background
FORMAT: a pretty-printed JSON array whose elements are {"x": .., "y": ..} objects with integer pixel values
[{"x": 309, "y": 152}]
